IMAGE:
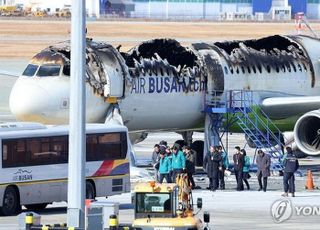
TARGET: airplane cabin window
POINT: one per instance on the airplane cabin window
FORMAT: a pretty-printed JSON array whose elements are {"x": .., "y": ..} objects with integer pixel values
[
  {"x": 299, "y": 67},
  {"x": 30, "y": 70},
  {"x": 304, "y": 66},
  {"x": 49, "y": 71},
  {"x": 294, "y": 67},
  {"x": 259, "y": 68},
  {"x": 254, "y": 69},
  {"x": 225, "y": 70},
  {"x": 268, "y": 69}
]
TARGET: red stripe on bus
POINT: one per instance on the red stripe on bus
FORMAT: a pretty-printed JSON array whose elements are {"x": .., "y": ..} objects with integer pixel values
[{"x": 105, "y": 169}]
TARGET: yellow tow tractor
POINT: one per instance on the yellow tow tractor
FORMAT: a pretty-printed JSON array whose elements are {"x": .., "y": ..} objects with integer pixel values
[{"x": 166, "y": 206}]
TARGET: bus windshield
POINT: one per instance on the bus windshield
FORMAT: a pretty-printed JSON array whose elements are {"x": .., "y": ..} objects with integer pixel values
[{"x": 153, "y": 203}]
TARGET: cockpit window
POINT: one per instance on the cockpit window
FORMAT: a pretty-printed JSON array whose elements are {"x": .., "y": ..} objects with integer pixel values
[
  {"x": 49, "y": 71},
  {"x": 30, "y": 70}
]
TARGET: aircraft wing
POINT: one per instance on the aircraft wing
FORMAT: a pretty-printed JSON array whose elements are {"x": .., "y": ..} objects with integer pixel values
[
  {"x": 7, "y": 73},
  {"x": 283, "y": 107}
]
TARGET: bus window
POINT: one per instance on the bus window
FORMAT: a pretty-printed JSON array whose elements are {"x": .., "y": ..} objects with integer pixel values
[
  {"x": 59, "y": 149},
  {"x": 91, "y": 147},
  {"x": 45, "y": 144},
  {"x": 109, "y": 146},
  {"x": 4, "y": 152},
  {"x": 33, "y": 147},
  {"x": 19, "y": 153}
]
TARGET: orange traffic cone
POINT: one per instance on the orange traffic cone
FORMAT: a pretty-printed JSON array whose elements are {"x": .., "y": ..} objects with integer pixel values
[{"x": 309, "y": 183}]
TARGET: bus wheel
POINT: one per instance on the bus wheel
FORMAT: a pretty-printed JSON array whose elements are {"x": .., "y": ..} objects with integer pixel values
[
  {"x": 11, "y": 204},
  {"x": 36, "y": 206},
  {"x": 90, "y": 194}
]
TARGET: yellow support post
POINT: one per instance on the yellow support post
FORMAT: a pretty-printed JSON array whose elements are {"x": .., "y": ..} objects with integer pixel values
[
  {"x": 29, "y": 220},
  {"x": 113, "y": 222}
]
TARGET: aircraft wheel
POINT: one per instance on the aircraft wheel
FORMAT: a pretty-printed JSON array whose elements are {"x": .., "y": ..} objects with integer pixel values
[{"x": 198, "y": 147}]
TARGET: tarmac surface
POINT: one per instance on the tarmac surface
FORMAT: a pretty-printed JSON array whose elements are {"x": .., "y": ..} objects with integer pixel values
[{"x": 228, "y": 209}]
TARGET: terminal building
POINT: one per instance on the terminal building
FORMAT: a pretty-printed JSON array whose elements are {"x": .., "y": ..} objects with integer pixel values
[{"x": 188, "y": 9}]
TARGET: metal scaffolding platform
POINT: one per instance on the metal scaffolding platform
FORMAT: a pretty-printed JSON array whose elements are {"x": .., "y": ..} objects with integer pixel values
[{"x": 237, "y": 108}]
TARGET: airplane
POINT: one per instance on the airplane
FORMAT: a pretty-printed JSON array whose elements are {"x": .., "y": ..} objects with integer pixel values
[{"x": 161, "y": 85}]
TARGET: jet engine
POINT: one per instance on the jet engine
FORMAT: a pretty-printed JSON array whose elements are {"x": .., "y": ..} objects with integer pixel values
[{"x": 307, "y": 133}]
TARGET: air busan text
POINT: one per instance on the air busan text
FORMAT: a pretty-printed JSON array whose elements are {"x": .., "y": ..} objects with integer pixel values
[{"x": 143, "y": 85}]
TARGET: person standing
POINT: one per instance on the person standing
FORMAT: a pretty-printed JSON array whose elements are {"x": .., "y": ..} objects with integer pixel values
[
  {"x": 190, "y": 164},
  {"x": 164, "y": 168},
  {"x": 212, "y": 164},
  {"x": 246, "y": 168},
  {"x": 169, "y": 155},
  {"x": 238, "y": 168},
  {"x": 225, "y": 166},
  {"x": 155, "y": 161},
  {"x": 178, "y": 164},
  {"x": 263, "y": 165},
  {"x": 291, "y": 165}
]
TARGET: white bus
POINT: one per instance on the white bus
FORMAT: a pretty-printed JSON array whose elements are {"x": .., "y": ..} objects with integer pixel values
[{"x": 34, "y": 164}]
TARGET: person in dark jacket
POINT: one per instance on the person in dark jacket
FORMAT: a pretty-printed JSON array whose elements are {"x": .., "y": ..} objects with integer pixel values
[
  {"x": 212, "y": 164},
  {"x": 263, "y": 165},
  {"x": 291, "y": 165},
  {"x": 155, "y": 161},
  {"x": 238, "y": 161},
  {"x": 225, "y": 165},
  {"x": 190, "y": 164},
  {"x": 246, "y": 168}
]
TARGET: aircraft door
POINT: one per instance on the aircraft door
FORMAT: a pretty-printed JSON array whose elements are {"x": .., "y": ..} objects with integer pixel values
[
  {"x": 111, "y": 63},
  {"x": 213, "y": 69}
]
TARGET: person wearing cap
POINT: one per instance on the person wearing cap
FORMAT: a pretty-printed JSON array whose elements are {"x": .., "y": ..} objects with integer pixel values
[
  {"x": 163, "y": 143},
  {"x": 155, "y": 161},
  {"x": 238, "y": 161},
  {"x": 178, "y": 163},
  {"x": 246, "y": 168},
  {"x": 263, "y": 165},
  {"x": 291, "y": 165},
  {"x": 212, "y": 163},
  {"x": 165, "y": 167},
  {"x": 225, "y": 165},
  {"x": 190, "y": 164}
]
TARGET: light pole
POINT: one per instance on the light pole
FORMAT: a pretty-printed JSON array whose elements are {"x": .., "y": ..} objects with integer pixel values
[{"x": 77, "y": 156}]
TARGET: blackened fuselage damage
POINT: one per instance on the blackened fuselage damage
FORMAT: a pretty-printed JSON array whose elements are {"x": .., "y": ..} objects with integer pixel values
[{"x": 161, "y": 85}]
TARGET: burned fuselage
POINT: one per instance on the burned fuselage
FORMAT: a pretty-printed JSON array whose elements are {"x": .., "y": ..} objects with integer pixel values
[{"x": 162, "y": 85}]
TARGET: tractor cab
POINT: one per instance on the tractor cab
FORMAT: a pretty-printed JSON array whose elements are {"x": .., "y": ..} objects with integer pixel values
[{"x": 164, "y": 206}]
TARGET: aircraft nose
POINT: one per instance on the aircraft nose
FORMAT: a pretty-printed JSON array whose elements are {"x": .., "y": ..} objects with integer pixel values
[{"x": 28, "y": 101}]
